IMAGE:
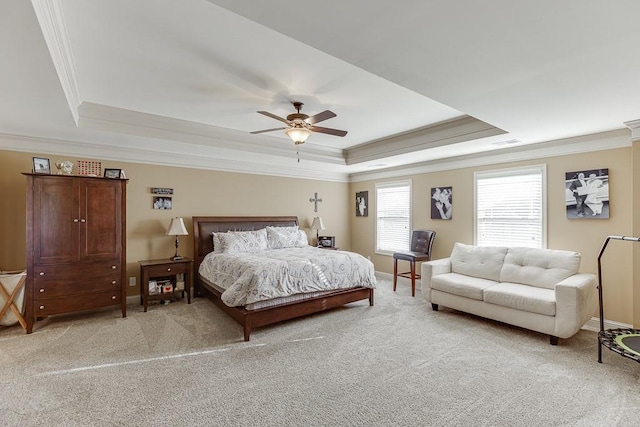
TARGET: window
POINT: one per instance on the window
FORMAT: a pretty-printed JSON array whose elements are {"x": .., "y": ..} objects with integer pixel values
[
  {"x": 510, "y": 207},
  {"x": 393, "y": 216}
]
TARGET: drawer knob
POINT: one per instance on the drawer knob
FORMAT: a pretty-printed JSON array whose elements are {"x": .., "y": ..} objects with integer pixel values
[
  {"x": 75, "y": 220},
  {"x": 41, "y": 290},
  {"x": 169, "y": 269},
  {"x": 83, "y": 220},
  {"x": 42, "y": 273},
  {"x": 42, "y": 307},
  {"x": 113, "y": 282},
  {"x": 113, "y": 297},
  {"x": 113, "y": 267}
]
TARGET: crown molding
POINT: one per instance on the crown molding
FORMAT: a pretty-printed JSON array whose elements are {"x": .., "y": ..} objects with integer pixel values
[
  {"x": 453, "y": 131},
  {"x": 182, "y": 155},
  {"x": 634, "y": 125},
  {"x": 129, "y": 122},
  {"x": 575, "y": 145},
  {"x": 51, "y": 19}
]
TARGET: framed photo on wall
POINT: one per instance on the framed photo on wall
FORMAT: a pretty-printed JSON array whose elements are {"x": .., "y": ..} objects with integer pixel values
[
  {"x": 162, "y": 203},
  {"x": 586, "y": 194},
  {"x": 362, "y": 203},
  {"x": 441, "y": 203}
]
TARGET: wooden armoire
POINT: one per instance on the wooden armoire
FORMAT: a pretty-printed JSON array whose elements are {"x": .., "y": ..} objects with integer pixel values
[{"x": 76, "y": 245}]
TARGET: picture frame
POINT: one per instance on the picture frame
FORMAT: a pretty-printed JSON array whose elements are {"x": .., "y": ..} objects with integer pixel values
[
  {"x": 441, "y": 203},
  {"x": 162, "y": 202},
  {"x": 112, "y": 173},
  {"x": 327, "y": 241},
  {"x": 586, "y": 194},
  {"x": 362, "y": 203},
  {"x": 41, "y": 165}
]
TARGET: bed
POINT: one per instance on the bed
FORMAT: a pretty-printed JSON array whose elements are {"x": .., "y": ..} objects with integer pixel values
[{"x": 263, "y": 314}]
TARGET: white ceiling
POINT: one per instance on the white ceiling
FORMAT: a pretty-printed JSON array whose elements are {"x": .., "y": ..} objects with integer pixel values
[{"x": 179, "y": 82}]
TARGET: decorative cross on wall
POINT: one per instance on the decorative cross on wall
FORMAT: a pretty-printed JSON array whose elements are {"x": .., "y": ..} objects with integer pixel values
[{"x": 315, "y": 201}]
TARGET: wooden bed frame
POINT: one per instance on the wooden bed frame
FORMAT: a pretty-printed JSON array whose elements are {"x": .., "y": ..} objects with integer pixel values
[{"x": 203, "y": 226}]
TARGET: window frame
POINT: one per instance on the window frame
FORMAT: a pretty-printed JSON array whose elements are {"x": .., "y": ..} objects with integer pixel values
[
  {"x": 515, "y": 171},
  {"x": 390, "y": 184}
]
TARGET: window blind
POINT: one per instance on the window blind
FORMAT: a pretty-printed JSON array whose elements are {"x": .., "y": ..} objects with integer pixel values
[
  {"x": 510, "y": 208},
  {"x": 393, "y": 216}
]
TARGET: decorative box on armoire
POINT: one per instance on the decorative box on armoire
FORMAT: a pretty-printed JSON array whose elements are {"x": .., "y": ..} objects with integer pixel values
[{"x": 76, "y": 245}]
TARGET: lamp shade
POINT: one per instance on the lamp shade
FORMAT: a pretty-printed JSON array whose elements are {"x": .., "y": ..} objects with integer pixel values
[
  {"x": 298, "y": 134},
  {"x": 317, "y": 224},
  {"x": 177, "y": 228}
]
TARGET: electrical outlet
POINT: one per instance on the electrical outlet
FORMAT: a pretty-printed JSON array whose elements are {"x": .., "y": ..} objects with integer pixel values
[{"x": 132, "y": 281}]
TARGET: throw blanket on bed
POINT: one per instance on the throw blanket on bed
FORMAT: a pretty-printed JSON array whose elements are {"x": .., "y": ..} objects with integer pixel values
[{"x": 253, "y": 277}]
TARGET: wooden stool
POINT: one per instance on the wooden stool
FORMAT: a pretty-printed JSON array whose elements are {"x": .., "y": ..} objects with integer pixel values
[
  {"x": 10, "y": 285},
  {"x": 421, "y": 244}
]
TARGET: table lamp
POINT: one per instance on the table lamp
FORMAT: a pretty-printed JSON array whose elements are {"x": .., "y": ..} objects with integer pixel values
[
  {"x": 177, "y": 228},
  {"x": 317, "y": 224}
]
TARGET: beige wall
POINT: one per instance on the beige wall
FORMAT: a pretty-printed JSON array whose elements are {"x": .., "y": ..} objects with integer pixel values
[
  {"x": 583, "y": 235},
  {"x": 196, "y": 193},
  {"x": 201, "y": 192}
]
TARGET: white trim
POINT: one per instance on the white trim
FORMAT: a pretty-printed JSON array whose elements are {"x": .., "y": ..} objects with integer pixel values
[
  {"x": 634, "y": 125},
  {"x": 576, "y": 145},
  {"x": 183, "y": 155},
  {"x": 51, "y": 19},
  {"x": 450, "y": 132},
  {"x": 594, "y": 325}
]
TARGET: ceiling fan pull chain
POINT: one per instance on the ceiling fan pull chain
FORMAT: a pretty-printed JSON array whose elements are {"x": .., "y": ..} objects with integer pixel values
[{"x": 298, "y": 153}]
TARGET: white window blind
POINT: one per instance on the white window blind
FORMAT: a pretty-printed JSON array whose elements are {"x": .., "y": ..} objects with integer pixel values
[
  {"x": 393, "y": 216},
  {"x": 510, "y": 207}
]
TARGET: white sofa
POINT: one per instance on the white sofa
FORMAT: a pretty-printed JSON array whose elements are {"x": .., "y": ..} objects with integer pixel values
[{"x": 537, "y": 289}]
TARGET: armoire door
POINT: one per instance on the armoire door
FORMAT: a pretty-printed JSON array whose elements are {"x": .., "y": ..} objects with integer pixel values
[
  {"x": 55, "y": 220},
  {"x": 100, "y": 220}
]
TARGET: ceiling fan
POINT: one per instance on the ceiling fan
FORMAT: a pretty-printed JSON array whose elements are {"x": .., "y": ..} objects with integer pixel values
[{"x": 300, "y": 126}]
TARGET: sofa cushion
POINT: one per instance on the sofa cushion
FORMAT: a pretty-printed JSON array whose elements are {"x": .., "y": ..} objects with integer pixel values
[
  {"x": 459, "y": 284},
  {"x": 476, "y": 261},
  {"x": 538, "y": 267},
  {"x": 522, "y": 297}
]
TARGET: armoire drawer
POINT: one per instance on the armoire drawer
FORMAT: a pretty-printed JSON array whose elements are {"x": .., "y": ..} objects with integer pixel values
[
  {"x": 49, "y": 288},
  {"x": 51, "y": 306},
  {"x": 59, "y": 272}
]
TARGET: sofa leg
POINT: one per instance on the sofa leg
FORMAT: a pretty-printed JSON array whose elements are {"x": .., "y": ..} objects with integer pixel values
[
  {"x": 553, "y": 340},
  {"x": 434, "y": 307}
]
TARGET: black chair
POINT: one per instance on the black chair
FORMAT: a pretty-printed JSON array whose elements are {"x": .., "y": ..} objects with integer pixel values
[{"x": 421, "y": 243}]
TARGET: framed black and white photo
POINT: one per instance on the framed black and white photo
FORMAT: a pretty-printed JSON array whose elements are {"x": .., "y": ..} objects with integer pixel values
[
  {"x": 586, "y": 194},
  {"x": 441, "y": 203},
  {"x": 362, "y": 203},
  {"x": 112, "y": 173},
  {"x": 41, "y": 165},
  {"x": 162, "y": 203}
]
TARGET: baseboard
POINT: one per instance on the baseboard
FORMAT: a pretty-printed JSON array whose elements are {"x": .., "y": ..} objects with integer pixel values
[{"x": 594, "y": 325}]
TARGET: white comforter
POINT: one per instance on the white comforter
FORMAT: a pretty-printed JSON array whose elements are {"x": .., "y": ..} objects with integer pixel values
[{"x": 253, "y": 277}]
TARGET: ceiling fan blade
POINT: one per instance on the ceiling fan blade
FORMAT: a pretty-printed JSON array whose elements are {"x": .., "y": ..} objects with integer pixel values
[
  {"x": 317, "y": 118},
  {"x": 267, "y": 130},
  {"x": 273, "y": 116},
  {"x": 330, "y": 131}
]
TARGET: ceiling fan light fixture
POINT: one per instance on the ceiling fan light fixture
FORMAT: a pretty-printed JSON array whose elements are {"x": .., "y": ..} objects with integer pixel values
[{"x": 298, "y": 134}]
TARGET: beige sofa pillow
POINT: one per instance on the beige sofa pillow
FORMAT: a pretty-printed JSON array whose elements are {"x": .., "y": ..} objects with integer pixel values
[
  {"x": 477, "y": 261},
  {"x": 543, "y": 268}
]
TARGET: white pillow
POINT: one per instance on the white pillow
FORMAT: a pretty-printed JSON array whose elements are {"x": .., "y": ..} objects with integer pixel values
[
  {"x": 286, "y": 237},
  {"x": 240, "y": 241}
]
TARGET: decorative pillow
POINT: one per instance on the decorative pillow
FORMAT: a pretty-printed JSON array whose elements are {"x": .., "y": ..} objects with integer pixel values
[
  {"x": 286, "y": 237},
  {"x": 240, "y": 241}
]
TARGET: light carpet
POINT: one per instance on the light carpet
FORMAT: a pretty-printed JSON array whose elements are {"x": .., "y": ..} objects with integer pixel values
[{"x": 397, "y": 363}]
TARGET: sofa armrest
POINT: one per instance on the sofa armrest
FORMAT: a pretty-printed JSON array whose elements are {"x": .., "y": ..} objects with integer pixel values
[
  {"x": 428, "y": 270},
  {"x": 576, "y": 299}
]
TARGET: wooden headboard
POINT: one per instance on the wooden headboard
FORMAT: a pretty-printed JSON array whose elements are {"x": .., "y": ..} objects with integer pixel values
[{"x": 203, "y": 226}]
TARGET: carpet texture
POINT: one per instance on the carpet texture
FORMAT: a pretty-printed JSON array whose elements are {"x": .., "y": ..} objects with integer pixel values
[{"x": 397, "y": 363}]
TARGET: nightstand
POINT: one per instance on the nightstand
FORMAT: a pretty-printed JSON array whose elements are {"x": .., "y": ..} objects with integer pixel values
[{"x": 165, "y": 271}]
